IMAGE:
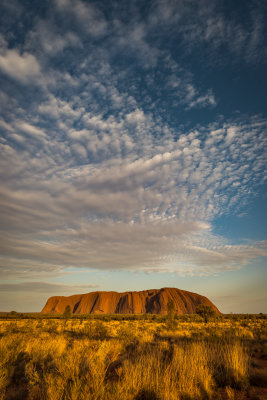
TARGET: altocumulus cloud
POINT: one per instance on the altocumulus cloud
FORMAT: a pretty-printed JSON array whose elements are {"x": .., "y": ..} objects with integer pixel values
[
  {"x": 141, "y": 208},
  {"x": 23, "y": 68},
  {"x": 94, "y": 175}
]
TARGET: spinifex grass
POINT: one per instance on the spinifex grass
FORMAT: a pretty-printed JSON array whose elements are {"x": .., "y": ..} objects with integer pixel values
[{"x": 80, "y": 360}]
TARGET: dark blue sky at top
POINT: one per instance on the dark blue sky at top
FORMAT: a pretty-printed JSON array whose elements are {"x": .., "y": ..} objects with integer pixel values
[
  {"x": 238, "y": 80},
  {"x": 135, "y": 125}
]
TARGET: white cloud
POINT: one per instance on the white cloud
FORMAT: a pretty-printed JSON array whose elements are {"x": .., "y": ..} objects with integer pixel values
[
  {"x": 133, "y": 37},
  {"x": 205, "y": 24},
  {"x": 87, "y": 15},
  {"x": 79, "y": 150},
  {"x": 56, "y": 108},
  {"x": 48, "y": 38},
  {"x": 181, "y": 87},
  {"x": 203, "y": 101},
  {"x": 231, "y": 131},
  {"x": 149, "y": 208},
  {"x": 22, "y": 67},
  {"x": 29, "y": 129},
  {"x": 93, "y": 175}
]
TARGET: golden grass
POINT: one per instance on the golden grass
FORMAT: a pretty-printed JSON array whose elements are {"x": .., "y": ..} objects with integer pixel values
[{"x": 81, "y": 360}]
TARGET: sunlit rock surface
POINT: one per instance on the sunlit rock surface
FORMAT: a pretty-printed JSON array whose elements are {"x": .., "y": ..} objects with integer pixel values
[{"x": 152, "y": 301}]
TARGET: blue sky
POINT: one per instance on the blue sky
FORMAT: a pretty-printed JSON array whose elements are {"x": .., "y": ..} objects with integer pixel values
[{"x": 133, "y": 149}]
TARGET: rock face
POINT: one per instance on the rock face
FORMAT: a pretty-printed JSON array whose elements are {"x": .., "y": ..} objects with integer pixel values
[{"x": 152, "y": 301}]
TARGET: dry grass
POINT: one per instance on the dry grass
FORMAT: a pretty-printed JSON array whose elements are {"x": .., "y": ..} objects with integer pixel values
[{"x": 78, "y": 360}]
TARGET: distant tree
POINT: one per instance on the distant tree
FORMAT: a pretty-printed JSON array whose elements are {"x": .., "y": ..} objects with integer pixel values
[
  {"x": 67, "y": 312},
  {"x": 205, "y": 311},
  {"x": 170, "y": 309},
  {"x": 171, "y": 323}
]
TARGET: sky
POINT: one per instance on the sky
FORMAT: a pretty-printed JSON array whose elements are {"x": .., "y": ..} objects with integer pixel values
[{"x": 133, "y": 149}]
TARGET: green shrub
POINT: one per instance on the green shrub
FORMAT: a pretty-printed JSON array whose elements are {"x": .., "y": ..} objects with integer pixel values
[
  {"x": 205, "y": 311},
  {"x": 67, "y": 312}
]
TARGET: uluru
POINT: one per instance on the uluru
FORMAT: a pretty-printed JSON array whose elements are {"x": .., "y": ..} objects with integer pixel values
[{"x": 153, "y": 301}]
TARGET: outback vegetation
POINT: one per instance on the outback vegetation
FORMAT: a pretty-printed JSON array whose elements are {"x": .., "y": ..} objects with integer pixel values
[{"x": 131, "y": 357}]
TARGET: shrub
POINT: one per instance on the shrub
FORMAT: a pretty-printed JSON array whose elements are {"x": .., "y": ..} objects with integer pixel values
[
  {"x": 170, "y": 309},
  {"x": 67, "y": 312},
  {"x": 205, "y": 311},
  {"x": 171, "y": 324},
  {"x": 100, "y": 331},
  {"x": 125, "y": 333}
]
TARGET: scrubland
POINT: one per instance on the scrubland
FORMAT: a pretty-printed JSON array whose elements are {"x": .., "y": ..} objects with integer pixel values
[{"x": 133, "y": 357}]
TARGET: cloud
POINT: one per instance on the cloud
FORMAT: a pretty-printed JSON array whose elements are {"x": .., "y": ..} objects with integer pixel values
[
  {"x": 87, "y": 15},
  {"x": 56, "y": 108},
  {"x": 22, "y": 67},
  {"x": 45, "y": 287},
  {"x": 207, "y": 26},
  {"x": 46, "y": 38},
  {"x": 30, "y": 129},
  {"x": 203, "y": 101},
  {"x": 97, "y": 169},
  {"x": 148, "y": 208},
  {"x": 225, "y": 257},
  {"x": 231, "y": 131},
  {"x": 133, "y": 38}
]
